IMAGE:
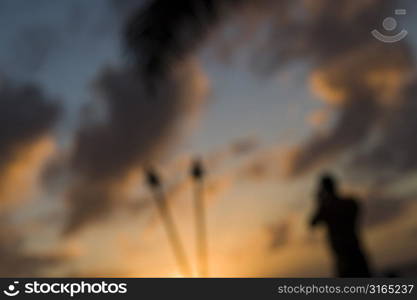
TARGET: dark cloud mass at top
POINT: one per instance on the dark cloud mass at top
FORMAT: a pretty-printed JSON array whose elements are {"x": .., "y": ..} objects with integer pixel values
[
  {"x": 26, "y": 114},
  {"x": 164, "y": 32}
]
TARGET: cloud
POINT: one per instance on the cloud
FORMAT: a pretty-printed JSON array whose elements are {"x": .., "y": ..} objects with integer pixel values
[
  {"x": 394, "y": 151},
  {"x": 382, "y": 206},
  {"x": 21, "y": 176},
  {"x": 146, "y": 105},
  {"x": 362, "y": 80},
  {"x": 26, "y": 123},
  {"x": 245, "y": 146},
  {"x": 165, "y": 32},
  {"x": 138, "y": 127},
  {"x": 15, "y": 260},
  {"x": 353, "y": 86},
  {"x": 358, "y": 77}
]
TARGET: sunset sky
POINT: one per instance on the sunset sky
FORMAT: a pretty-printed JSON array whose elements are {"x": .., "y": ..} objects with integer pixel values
[{"x": 266, "y": 118}]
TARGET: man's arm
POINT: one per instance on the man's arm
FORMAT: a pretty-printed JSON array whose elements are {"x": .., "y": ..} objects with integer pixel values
[{"x": 317, "y": 217}]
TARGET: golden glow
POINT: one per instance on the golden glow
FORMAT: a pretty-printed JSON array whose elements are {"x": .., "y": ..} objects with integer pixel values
[
  {"x": 21, "y": 174},
  {"x": 332, "y": 94}
]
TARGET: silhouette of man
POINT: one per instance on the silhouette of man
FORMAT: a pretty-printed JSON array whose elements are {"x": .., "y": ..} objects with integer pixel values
[{"x": 340, "y": 216}]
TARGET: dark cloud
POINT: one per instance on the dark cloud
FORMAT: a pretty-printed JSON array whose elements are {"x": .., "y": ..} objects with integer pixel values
[
  {"x": 382, "y": 208},
  {"x": 245, "y": 146},
  {"x": 359, "y": 88},
  {"x": 368, "y": 84},
  {"x": 394, "y": 152},
  {"x": 345, "y": 134},
  {"x": 26, "y": 115},
  {"x": 165, "y": 32},
  {"x": 15, "y": 260},
  {"x": 136, "y": 129}
]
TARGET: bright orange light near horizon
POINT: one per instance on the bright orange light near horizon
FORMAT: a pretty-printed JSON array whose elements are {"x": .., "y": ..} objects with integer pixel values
[{"x": 175, "y": 275}]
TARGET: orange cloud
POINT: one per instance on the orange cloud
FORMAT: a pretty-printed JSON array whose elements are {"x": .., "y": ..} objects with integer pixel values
[{"x": 19, "y": 178}]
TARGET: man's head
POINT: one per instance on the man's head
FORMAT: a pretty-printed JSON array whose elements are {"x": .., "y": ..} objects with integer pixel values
[{"x": 328, "y": 184}]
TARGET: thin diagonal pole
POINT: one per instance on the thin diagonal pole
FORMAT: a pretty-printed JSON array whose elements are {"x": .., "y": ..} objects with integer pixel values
[
  {"x": 169, "y": 224},
  {"x": 197, "y": 173}
]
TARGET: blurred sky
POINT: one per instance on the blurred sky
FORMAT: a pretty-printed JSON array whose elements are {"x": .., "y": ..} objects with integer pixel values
[
  {"x": 68, "y": 57},
  {"x": 63, "y": 45}
]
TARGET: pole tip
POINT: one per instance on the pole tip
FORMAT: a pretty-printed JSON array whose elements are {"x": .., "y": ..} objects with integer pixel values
[
  {"x": 152, "y": 178},
  {"x": 197, "y": 170}
]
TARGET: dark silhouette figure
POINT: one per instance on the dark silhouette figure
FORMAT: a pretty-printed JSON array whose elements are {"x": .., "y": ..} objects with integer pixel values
[{"x": 340, "y": 216}]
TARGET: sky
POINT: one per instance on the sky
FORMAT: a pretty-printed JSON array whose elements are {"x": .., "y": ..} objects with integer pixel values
[{"x": 262, "y": 135}]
